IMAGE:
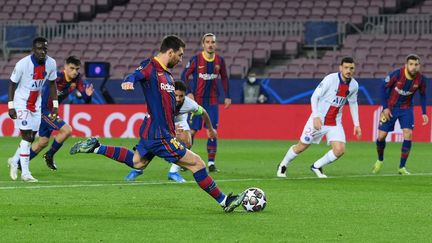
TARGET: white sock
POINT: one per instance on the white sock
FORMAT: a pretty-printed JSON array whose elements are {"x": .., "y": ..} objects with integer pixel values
[
  {"x": 289, "y": 156},
  {"x": 223, "y": 202},
  {"x": 16, "y": 157},
  {"x": 326, "y": 159},
  {"x": 96, "y": 150},
  {"x": 25, "y": 157},
  {"x": 174, "y": 168},
  {"x": 210, "y": 163}
]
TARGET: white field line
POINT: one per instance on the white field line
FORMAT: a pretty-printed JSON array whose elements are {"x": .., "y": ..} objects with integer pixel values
[{"x": 117, "y": 183}]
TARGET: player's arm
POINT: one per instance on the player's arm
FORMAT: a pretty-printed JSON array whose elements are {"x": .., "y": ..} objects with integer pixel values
[
  {"x": 139, "y": 75},
  {"x": 52, "y": 77},
  {"x": 187, "y": 72},
  {"x": 14, "y": 79},
  {"x": 386, "y": 87},
  {"x": 225, "y": 84},
  {"x": 316, "y": 96},
  {"x": 423, "y": 101},
  {"x": 86, "y": 91},
  {"x": 353, "y": 105},
  {"x": 211, "y": 132}
]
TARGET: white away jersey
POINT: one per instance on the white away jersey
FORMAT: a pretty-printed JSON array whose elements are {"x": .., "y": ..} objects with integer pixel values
[
  {"x": 189, "y": 105},
  {"x": 30, "y": 77},
  {"x": 330, "y": 96}
]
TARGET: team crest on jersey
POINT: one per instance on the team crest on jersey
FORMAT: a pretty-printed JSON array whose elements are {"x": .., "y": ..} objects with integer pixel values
[
  {"x": 217, "y": 68},
  {"x": 415, "y": 86},
  {"x": 24, "y": 123}
]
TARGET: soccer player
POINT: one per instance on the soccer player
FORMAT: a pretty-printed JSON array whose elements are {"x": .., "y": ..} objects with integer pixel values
[
  {"x": 26, "y": 82},
  {"x": 157, "y": 132},
  {"x": 397, "y": 93},
  {"x": 327, "y": 102},
  {"x": 68, "y": 82},
  {"x": 184, "y": 106},
  {"x": 205, "y": 68}
]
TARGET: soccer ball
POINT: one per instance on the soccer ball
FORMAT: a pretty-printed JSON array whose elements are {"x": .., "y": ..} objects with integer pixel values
[{"x": 255, "y": 200}]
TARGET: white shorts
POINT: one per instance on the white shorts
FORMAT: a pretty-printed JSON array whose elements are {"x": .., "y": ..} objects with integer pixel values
[
  {"x": 183, "y": 125},
  {"x": 332, "y": 133},
  {"x": 27, "y": 120}
]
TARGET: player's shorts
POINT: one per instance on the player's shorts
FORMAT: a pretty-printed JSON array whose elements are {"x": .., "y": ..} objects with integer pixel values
[
  {"x": 169, "y": 149},
  {"x": 49, "y": 125},
  {"x": 332, "y": 133},
  {"x": 27, "y": 120},
  {"x": 183, "y": 124},
  {"x": 195, "y": 122},
  {"x": 405, "y": 117}
]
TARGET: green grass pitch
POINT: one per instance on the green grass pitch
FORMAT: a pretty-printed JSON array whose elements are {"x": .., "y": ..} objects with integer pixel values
[{"x": 86, "y": 200}]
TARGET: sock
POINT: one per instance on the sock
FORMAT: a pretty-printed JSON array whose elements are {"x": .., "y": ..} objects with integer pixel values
[
  {"x": 207, "y": 183},
  {"x": 25, "y": 157},
  {"x": 55, "y": 146},
  {"x": 16, "y": 157},
  {"x": 32, "y": 154},
  {"x": 211, "y": 150},
  {"x": 174, "y": 168},
  {"x": 380, "y": 149},
  {"x": 289, "y": 156},
  {"x": 406, "y": 147},
  {"x": 120, "y": 154},
  {"x": 326, "y": 159}
]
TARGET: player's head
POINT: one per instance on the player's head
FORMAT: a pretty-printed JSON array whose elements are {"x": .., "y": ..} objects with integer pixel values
[
  {"x": 72, "y": 66},
  {"x": 180, "y": 92},
  {"x": 40, "y": 49},
  {"x": 208, "y": 42},
  {"x": 173, "y": 47},
  {"x": 347, "y": 68},
  {"x": 412, "y": 64}
]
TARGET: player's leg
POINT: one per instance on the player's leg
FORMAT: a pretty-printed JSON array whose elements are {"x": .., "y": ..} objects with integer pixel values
[
  {"x": 194, "y": 163},
  {"x": 186, "y": 138},
  {"x": 65, "y": 131},
  {"x": 406, "y": 121},
  {"x": 336, "y": 138},
  {"x": 385, "y": 126},
  {"x": 212, "y": 143}
]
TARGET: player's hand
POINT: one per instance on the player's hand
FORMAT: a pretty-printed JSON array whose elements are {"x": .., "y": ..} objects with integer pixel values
[
  {"x": 89, "y": 90},
  {"x": 425, "y": 119},
  {"x": 317, "y": 124},
  {"x": 211, "y": 133},
  {"x": 12, "y": 113},
  {"x": 357, "y": 132},
  {"x": 191, "y": 96},
  {"x": 127, "y": 86},
  {"x": 54, "y": 113},
  {"x": 387, "y": 113},
  {"x": 227, "y": 103}
]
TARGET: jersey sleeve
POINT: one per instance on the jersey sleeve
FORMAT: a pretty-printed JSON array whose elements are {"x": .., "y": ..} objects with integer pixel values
[
  {"x": 52, "y": 72},
  {"x": 190, "y": 106},
  {"x": 353, "y": 105},
  {"x": 422, "y": 92},
  {"x": 141, "y": 74},
  {"x": 386, "y": 86},
  {"x": 17, "y": 73},
  {"x": 224, "y": 78},
  {"x": 189, "y": 69},
  {"x": 319, "y": 92}
]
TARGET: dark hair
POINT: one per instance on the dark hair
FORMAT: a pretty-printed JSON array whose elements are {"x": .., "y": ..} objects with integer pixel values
[
  {"x": 412, "y": 56},
  {"x": 207, "y": 35},
  {"x": 73, "y": 60},
  {"x": 39, "y": 40},
  {"x": 171, "y": 42},
  {"x": 347, "y": 60},
  {"x": 179, "y": 85}
]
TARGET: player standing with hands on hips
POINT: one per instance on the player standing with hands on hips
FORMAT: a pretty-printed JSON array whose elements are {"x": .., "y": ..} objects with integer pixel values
[
  {"x": 25, "y": 85},
  {"x": 327, "y": 102}
]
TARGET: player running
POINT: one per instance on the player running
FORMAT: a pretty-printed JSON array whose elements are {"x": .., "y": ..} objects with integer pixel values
[
  {"x": 205, "y": 68},
  {"x": 68, "y": 82},
  {"x": 327, "y": 102},
  {"x": 26, "y": 82},
  {"x": 184, "y": 106},
  {"x": 157, "y": 132},
  {"x": 397, "y": 93}
]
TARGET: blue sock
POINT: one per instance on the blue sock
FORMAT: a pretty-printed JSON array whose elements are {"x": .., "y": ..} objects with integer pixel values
[
  {"x": 211, "y": 149},
  {"x": 207, "y": 183},
  {"x": 55, "y": 146},
  {"x": 120, "y": 154},
  {"x": 406, "y": 147},
  {"x": 32, "y": 154},
  {"x": 380, "y": 149}
]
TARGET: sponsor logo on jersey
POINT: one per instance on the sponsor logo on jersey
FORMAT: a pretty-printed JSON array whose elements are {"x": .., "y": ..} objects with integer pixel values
[
  {"x": 207, "y": 76},
  {"x": 403, "y": 92},
  {"x": 338, "y": 101},
  {"x": 37, "y": 83},
  {"x": 167, "y": 87}
]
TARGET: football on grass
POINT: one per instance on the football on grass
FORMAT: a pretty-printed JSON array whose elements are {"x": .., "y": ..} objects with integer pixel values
[{"x": 255, "y": 200}]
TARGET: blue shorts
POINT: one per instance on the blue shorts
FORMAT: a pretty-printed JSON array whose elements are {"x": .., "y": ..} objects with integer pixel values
[
  {"x": 169, "y": 149},
  {"x": 195, "y": 122},
  {"x": 49, "y": 125},
  {"x": 405, "y": 117}
]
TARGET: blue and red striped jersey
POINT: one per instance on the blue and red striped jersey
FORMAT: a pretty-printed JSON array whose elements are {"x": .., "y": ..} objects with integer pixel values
[
  {"x": 205, "y": 73},
  {"x": 158, "y": 87},
  {"x": 398, "y": 90},
  {"x": 64, "y": 88}
]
